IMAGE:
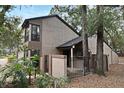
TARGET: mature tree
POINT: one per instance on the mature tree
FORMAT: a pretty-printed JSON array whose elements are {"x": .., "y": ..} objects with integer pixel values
[
  {"x": 97, "y": 22},
  {"x": 3, "y": 10},
  {"x": 84, "y": 36},
  {"x": 10, "y": 35},
  {"x": 72, "y": 15},
  {"x": 100, "y": 31}
]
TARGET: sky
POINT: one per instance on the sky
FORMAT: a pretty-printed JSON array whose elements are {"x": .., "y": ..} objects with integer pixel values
[{"x": 30, "y": 11}]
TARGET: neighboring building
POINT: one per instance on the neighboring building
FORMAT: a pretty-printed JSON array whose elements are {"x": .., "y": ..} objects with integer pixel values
[{"x": 52, "y": 35}]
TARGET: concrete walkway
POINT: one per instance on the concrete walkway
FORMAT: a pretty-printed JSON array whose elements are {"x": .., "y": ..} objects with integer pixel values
[{"x": 114, "y": 79}]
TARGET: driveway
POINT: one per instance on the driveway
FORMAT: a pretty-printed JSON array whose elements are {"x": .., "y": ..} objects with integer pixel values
[{"x": 114, "y": 79}]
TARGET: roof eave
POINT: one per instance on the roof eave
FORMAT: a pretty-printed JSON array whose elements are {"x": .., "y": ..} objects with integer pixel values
[{"x": 26, "y": 21}]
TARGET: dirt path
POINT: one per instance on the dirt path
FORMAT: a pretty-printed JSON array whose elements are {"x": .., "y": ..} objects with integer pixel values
[{"x": 114, "y": 79}]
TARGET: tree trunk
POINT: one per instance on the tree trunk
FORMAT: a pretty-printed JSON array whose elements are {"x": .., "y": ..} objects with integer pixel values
[
  {"x": 35, "y": 73},
  {"x": 29, "y": 79},
  {"x": 84, "y": 37},
  {"x": 100, "y": 31}
]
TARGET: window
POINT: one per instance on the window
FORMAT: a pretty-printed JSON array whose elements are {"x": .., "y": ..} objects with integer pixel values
[
  {"x": 35, "y": 33},
  {"x": 35, "y": 52}
]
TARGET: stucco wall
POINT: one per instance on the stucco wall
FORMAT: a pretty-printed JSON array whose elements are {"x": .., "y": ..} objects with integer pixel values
[{"x": 55, "y": 33}]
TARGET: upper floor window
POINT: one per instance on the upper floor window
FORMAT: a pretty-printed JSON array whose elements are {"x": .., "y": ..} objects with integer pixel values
[{"x": 35, "y": 33}]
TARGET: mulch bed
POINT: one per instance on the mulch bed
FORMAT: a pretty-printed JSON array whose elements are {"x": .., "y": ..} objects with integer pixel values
[{"x": 113, "y": 79}]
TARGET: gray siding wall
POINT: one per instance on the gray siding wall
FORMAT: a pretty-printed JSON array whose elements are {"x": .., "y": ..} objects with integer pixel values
[{"x": 55, "y": 33}]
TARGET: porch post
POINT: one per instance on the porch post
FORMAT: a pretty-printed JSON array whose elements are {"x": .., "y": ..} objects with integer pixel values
[{"x": 72, "y": 59}]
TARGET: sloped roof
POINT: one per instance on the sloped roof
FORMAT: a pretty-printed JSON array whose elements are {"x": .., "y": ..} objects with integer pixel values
[
  {"x": 26, "y": 21},
  {"x": 77, "y": 40},
  {"x": 71, "y": 42}
]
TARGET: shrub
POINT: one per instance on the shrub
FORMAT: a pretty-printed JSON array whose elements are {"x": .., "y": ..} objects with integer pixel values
[
  {"x": 15, "y": 74},
  {"x": 60, "y": 82},
  {"x": 45, "y": 81}
]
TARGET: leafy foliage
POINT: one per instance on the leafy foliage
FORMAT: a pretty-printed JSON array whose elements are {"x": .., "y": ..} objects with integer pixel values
[
  {"x": 3, "y": 10},
  {"x": 112, "y": 18},
  {"x": 13, "y": 73},
  {"x": 10, "y": 33},
  {"x": 61, "y": 82},
  {"x": 44, "y": 80},
  {"x": 11, "y": 58},
  {"x": 16, "y": 74}
]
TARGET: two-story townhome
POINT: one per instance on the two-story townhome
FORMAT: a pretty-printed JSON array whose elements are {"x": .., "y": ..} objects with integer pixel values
[
  {"x": 44, "y": 34},
  {"x": 52, "y": 35}
]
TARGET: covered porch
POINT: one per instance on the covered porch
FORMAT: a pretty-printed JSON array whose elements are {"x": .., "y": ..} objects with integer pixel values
[
  {"x": 75, "y": 60},
  {"x": 73, "y": 51}
]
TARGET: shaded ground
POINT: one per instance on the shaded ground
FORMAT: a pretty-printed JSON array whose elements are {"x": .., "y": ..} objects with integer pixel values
[{"x": 114, "y": 79}]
